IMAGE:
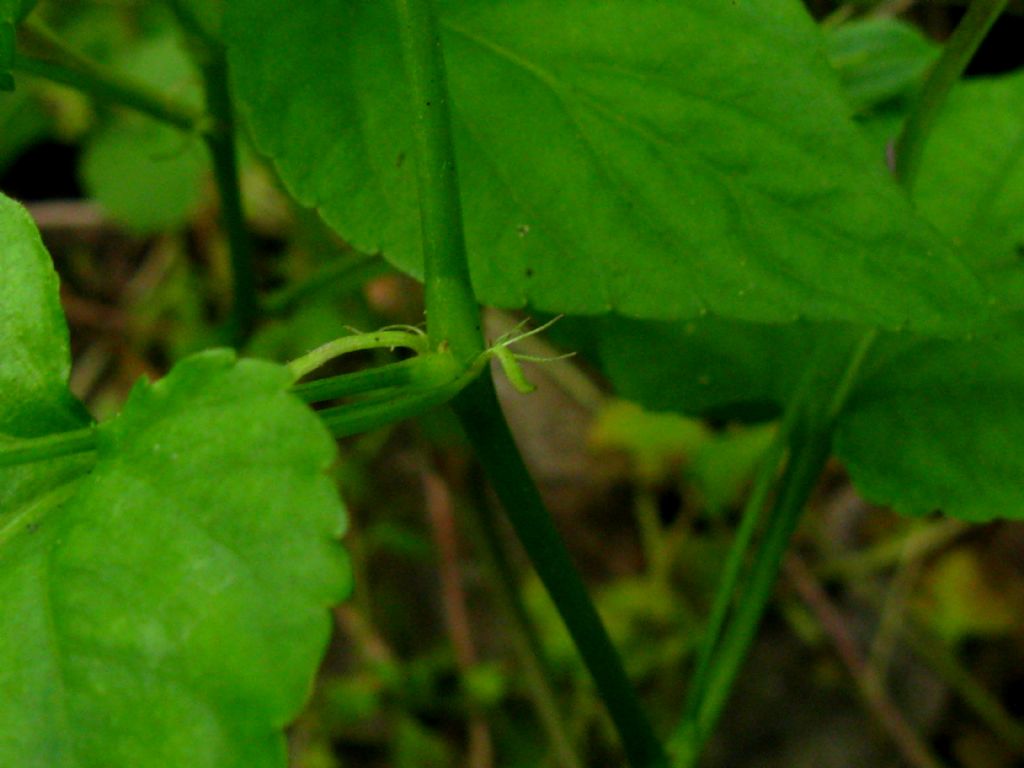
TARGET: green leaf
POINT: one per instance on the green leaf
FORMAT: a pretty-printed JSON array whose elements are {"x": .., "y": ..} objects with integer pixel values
[
  {"x": 34, "y": 363},
  {"x": 34, "y": 366},
  {"x": 935, "y": 427},
  {"x": 879, "y": 60},
  {"x": 711, "y": 367},
  {"x": 723, "y": 468},
  {"x": 653, "y": 158},
  {"x": 938, "y": 426},
  {"x": 148, "y": 176},
  {"x": 170, "y": 606},
  {"x": 972, "y": 180},
  {"x": 932, "y": 426},
  {"x": 164, "y": 600}
]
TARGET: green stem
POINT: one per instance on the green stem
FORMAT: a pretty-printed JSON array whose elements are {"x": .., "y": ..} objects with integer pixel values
[
  {"x": 453, "y": 320},
  {"x": 453, "y": 317},
  {"x": 767, "y": 473},
  {"x": 224, "y": 155},
  {"x": 488, "y": 432},
  {"x": 525, "y": 642},
  {"x": 810, "y": 451},
  {"x": 61, "y": 64},
  {"x": 717, "y": 668},
  {"x": 358, "y": 342},
  {"x": 375, "y": 412},
  {"x": 26, "y": 450},
  {"x": 807, "y": 430},
  {"x": 401, "y": 374},
  {"x": 956, "y": 55}
]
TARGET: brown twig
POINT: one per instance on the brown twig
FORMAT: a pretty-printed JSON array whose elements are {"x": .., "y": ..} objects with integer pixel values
[
  {"x": 79, "y": 216},
  {"x": 911, "y": 746},
  {"x": 453, "y": 597}
]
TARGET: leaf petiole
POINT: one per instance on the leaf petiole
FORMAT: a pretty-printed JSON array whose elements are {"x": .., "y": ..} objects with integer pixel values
[
  {"x": 17, "y": 450},
  {"x": 411, "y": 338},
  {"x": 956, "y": 55},
  {"x": 374, "y": 412},
  {"x": 53, "y": 60}
]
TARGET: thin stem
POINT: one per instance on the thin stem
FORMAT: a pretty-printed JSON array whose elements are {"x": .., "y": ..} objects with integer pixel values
[
  {"x": 224, "y": 155},
  {"x": 440, "y": 512},
  {"x": 808, "y": 426},
  {"x": 956, "y": 55},
  {"x": 523, "y": 635},
  {"x": 51, "y": 59},
  {"x": 767, "y": 473},
  {"x": 453, "y": 320},
  {"x": 921, "y": 541},
  {"x": 651, "y": 533},
  {"x": 810, "y": 451},
  {"x": 357, "y": 342},
  {"x": 914, "y": 750},
  {"x": 27, "y": 450},
  {"x": 401, "y": 374},
  {"x": 453, "y": 317},
  {"x": 987, "y": 707},
  {"x": 843, "y": 389},
  {"x": 387, "y": 408},
  {"x": 488, "y": 432}
]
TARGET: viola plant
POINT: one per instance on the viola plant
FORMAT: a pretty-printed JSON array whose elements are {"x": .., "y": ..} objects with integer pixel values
[{"x": 752, "y": 217}]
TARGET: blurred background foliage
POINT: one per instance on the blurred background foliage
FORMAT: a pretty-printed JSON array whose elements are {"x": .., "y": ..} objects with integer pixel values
[{"x": 892, "y": 641}]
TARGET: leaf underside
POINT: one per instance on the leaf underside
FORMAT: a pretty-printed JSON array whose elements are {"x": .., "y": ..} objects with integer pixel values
[{"x": 651, "y": 158}]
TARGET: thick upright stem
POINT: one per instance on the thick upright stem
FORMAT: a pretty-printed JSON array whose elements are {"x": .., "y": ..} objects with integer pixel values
[
  {"x": 957, "y": 54},
  {"x": 224, "y": 154},
  {"x": 481, "y": 417},
  {"x": 453, "y": 317},
  {"x": 453, "y": 320}
]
